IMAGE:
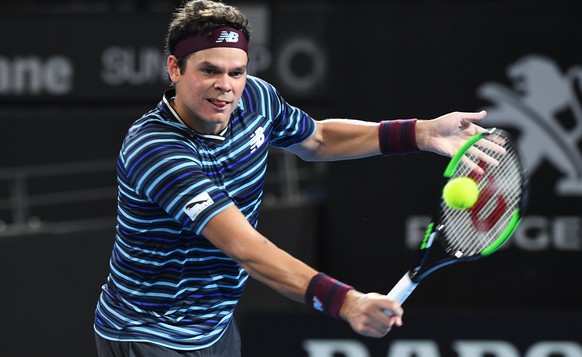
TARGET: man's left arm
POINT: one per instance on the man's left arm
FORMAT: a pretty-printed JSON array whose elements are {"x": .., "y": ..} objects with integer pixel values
[{"x": 343, "y": 139}]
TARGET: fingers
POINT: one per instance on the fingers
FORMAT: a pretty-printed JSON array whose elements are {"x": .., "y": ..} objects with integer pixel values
[
  {"x": 380, "y": 329},
  {"x": 485, "y": 152},
  {"x": 473, "y": 116},
  {"x": 467, "y": 121},
  {"x": 389, "y": 307},
  {"x": 371, "y": 318}
]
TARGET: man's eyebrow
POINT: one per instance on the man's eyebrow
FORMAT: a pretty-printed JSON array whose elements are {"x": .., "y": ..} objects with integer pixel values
[{"x": 209, "y": 65}]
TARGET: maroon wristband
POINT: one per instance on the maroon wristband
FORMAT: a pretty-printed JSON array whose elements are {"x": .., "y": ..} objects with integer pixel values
[
  {"x": 397, "y": 136},
  {"x": 325, "y": 294}
]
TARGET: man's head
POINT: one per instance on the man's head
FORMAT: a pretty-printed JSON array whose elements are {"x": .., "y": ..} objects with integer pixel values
[{"x": 207, "y": 44}]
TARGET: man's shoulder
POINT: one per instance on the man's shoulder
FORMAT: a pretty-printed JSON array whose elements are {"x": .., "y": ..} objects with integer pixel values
[
  {"x": 256, "y": 83},
  {"x": 259, "y": 95},
  {"x": 155, "y": 122}
]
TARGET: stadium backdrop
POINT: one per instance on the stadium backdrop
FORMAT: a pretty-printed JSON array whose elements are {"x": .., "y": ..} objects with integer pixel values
[{"x": 70, "y": 86}]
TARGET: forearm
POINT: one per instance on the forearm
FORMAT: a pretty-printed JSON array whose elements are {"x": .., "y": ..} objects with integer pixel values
[
  {"x": 230, "y": 232},
  {"x": 343, "y": 139},
  {"x": 278, "y": 270},
  {"x": 303, "y": 284},
  {"x": 340, "y": 139}
]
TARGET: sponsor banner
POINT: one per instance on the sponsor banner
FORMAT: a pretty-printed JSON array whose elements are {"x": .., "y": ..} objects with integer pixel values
[
  {"x": 429, "y": 333},
  {"x": 83, "y": 58},
  {"x": 118, "y": 58}
]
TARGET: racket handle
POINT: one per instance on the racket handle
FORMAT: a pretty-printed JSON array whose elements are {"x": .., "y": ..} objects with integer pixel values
[{"x": 402, "y": 289}]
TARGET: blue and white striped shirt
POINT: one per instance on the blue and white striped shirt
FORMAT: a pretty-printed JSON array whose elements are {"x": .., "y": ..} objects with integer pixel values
[{"x": 168, "y": 284}]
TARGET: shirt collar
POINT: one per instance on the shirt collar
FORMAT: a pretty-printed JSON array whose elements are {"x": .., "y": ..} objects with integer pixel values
[{"x": 168, "y": 97}]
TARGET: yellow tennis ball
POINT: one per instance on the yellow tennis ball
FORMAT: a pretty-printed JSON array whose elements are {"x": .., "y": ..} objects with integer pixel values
[{"x": 461, "y": 193}]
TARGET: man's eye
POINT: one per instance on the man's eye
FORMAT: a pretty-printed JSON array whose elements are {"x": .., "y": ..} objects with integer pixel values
[{"x": 237, "y": 74}]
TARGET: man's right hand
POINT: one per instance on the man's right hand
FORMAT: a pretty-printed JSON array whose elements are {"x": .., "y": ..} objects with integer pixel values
[{"x": 366, "y": 313}]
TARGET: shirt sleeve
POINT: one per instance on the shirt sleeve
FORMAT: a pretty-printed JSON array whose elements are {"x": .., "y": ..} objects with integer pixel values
[
  {"x": 165, "y": 169},
  {"x": 291, "y": 125}
]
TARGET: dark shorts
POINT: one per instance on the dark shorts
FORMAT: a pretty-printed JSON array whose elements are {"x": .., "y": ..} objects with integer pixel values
[{"x": 227, "y": 346}]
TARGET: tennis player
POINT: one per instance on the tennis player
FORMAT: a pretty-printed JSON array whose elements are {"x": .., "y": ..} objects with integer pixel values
[{"x": 190, "y": 181}]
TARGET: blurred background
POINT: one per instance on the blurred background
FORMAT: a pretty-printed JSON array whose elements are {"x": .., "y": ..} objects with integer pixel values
[{"x": 75, "y": 74}]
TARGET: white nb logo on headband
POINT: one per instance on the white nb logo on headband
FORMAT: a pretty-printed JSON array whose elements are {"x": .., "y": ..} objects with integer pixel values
[{"x": 227, "y": 36}]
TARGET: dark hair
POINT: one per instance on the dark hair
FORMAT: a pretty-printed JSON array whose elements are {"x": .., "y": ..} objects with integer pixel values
[{"x": 200, "y": 17}]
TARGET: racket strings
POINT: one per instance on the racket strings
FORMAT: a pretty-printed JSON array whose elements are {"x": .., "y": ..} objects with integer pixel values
[{"x": 469, "y": 232}]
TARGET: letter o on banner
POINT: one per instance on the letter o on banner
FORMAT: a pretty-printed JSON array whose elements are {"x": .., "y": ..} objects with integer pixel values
[
  {"x": 555, "y": 348},
  {"x": 296, "y": 81}
]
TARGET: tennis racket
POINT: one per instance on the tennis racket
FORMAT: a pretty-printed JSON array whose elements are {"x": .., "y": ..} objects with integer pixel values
[{"x": 464, "y": 235}]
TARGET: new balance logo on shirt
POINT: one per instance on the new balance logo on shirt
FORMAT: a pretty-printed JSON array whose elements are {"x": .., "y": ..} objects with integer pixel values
[
  {"x": 227, "y": 36},
  {"x": 257, "y": 138}
]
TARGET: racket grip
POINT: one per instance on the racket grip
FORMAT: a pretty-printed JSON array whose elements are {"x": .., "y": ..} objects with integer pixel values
[{"x": 402, "y": 289}]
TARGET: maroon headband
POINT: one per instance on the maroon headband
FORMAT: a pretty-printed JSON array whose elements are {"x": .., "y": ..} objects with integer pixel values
[{"x": 220, "y": 37}]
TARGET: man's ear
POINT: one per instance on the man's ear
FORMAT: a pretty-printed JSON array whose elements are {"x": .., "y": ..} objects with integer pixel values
[{"x": 173, "y": 68}]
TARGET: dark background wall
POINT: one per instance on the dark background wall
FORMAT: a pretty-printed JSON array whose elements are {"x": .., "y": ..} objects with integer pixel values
[{"x": 74, "y": 75}]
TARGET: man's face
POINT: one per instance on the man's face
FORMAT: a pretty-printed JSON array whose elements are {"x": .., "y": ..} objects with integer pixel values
[{"x": 210, "y": 87}]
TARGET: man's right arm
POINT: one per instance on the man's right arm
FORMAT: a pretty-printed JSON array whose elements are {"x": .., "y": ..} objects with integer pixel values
[{"x": 230, "y": 232}]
